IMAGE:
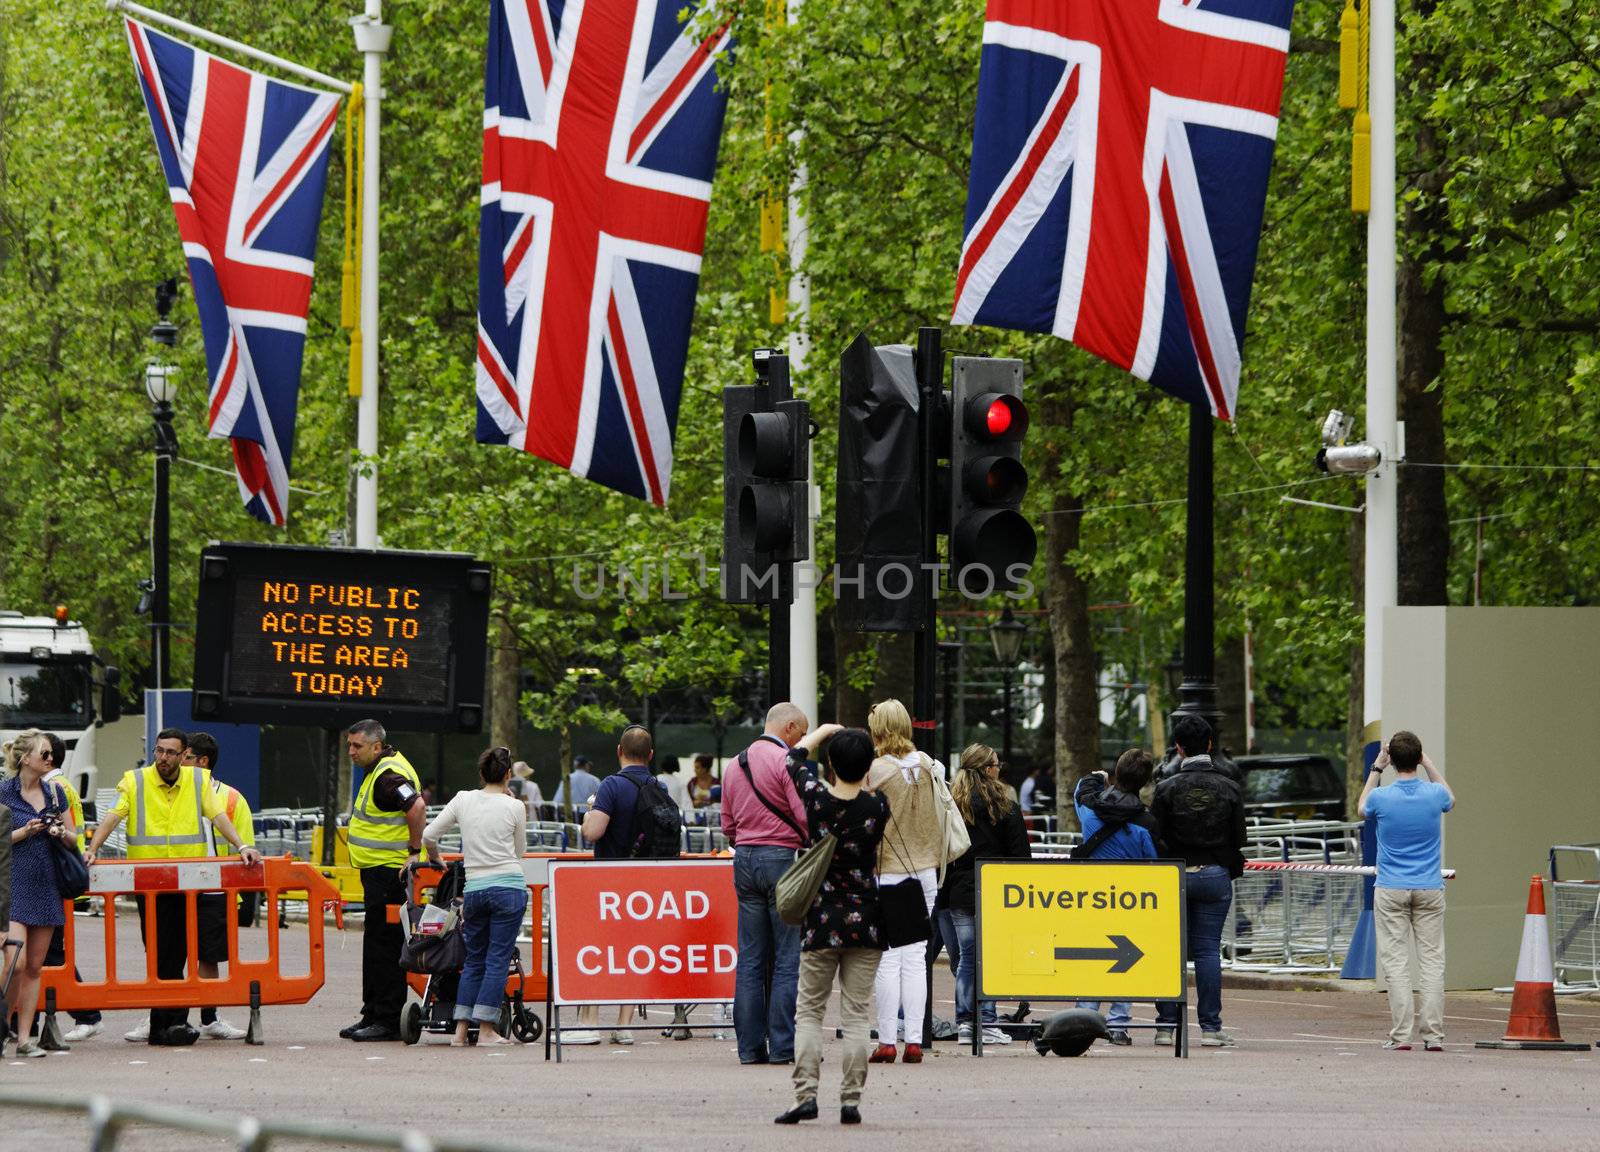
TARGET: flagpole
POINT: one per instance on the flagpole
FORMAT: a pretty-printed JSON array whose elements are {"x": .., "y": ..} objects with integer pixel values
[
  {"x": 803, "y": 608},
  {"x": 234, "y": 46},
  {"x": 372, "y": 41}
]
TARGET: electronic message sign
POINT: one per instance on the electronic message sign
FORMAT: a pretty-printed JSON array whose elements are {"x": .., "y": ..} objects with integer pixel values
[{"x": 328, "y": 636}]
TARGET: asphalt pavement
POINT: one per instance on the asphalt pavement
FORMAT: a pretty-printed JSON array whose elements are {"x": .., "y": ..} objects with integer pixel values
[{"x": 1308, "y": 1073}]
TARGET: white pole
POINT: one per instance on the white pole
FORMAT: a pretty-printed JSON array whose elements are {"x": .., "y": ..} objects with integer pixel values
[
  {"x": 234, "y": 46},
  {"x": 372, "y": 41},
  {"x": 803, "y": 611},
  {"x": 1382, "y": 572}
]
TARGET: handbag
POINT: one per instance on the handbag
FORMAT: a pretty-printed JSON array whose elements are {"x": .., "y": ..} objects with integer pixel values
[
  {"x": 905, "y": 912},
  {"x": 72, "y": 874},
  {"x": 957, "y": 840},
  {"x": 797, "y": 888}
]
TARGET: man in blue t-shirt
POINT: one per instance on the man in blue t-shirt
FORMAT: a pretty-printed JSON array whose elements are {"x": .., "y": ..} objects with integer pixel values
[{"x": 1408, "y": 903}]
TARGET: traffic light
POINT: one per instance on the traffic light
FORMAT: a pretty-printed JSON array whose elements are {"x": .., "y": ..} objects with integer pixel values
[
  {"x": 992, "y": 545},
  {"x": 766, "y": 441},
  {"x": 878, "y": 499}
]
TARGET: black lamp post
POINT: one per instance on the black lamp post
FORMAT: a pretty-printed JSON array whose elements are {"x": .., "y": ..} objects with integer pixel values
[
  {"x": 950, "y": 652},
  {"x": 1197, "y": 695},
  {"x": 1006, "y": 635},
  {"x": 160, "y": 386}
]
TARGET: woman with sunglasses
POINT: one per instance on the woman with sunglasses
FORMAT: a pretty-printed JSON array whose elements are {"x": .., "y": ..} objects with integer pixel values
[{"x": 38, "y": 811}]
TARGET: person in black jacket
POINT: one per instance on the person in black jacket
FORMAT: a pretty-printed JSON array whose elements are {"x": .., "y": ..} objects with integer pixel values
[
  {"x": 1199, "y": 813},
  {"x": 994, "y": 821}
]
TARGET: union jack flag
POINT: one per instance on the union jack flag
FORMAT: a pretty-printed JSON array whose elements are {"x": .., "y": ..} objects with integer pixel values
[
  {"x": 246, "y": 161},
  {"x": 600, "y": 132},
  {"x": 1119, "y": 171}
]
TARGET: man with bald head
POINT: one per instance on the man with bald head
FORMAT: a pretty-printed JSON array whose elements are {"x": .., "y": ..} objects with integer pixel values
[{"x": 763, "y": 819}]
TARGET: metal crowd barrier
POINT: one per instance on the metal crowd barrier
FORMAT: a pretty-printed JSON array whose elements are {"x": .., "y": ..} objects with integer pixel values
[
  {"x": 1575, "y": 914},
  {"x": 108, "y": 1121}
]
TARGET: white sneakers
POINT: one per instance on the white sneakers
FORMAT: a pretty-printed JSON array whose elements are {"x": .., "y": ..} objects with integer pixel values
[
  {"x": 622, "y": 1037},
  {"x": 995, "y": 1036},
  {"x": 580, "y": 1036},
  {"x": 83, "y": 1032},
  {"x": 218, "y": 1029}
]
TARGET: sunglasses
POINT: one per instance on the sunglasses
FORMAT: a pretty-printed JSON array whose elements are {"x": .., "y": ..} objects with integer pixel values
[{"x": 45, "y": 754}]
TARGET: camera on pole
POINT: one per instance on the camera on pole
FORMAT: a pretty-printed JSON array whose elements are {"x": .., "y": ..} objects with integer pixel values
[
  {"x": 766, "y": 439},
  {"x": 1339, "y": 458},
  {"x": 992, "y": 545}
]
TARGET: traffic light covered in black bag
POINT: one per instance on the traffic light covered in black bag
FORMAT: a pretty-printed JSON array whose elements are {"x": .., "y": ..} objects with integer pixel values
[
  {"x": 878, "y": 505},
  {"x": 992, "y": 545},
  {"x": 766, "y": 440}
]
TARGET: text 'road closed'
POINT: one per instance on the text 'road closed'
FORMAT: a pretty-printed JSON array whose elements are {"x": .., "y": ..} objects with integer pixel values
[
  {"x": 643, "y": 931},
  {"x": 1065, "y": 929}
]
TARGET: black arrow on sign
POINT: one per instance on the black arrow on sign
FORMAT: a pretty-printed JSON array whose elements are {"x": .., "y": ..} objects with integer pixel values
[{"x": 1124, "y": 953}]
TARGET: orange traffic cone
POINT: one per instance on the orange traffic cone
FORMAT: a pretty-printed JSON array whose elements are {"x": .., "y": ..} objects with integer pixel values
[{"x": 1533, "y": 1022}]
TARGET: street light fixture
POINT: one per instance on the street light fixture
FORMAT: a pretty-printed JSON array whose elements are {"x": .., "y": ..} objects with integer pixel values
[
  {"x": 1006, "y": 635},
  {"x": 160, "y": 385}
]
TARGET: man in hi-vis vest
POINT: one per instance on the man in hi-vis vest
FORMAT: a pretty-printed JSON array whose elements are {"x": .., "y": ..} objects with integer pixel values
[
  {"x": 168, "y": 807},
  {"x": 386, "y": 825}
]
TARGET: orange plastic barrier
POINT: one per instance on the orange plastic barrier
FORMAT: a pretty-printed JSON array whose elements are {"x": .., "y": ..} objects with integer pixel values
[{"x": 245, "y": 981}]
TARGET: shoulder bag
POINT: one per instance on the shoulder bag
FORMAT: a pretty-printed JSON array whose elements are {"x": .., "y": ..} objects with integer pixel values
[
  {"x": 904, "y": 908},
  {"x": 72, "y": 874},
  {"x": 957, "y": 840},
  {"x": 796, "y": 890}
]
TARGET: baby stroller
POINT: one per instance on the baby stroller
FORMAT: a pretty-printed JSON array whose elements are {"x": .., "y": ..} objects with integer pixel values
[
  {"x": 10, "y": 954},
  {"x": 436, "y": 950}
]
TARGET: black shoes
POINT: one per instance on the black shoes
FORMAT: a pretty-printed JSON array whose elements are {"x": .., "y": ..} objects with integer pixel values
[
  {"x": 849, "y": 1114},
  {"x": 349, "y": 1032},
  {"x": 806, "y": 1111},
  {"x": 374, "y": 1032}
]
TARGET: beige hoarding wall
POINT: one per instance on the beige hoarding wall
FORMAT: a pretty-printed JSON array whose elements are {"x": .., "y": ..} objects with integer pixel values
[{"x": 1507, "y": 702}]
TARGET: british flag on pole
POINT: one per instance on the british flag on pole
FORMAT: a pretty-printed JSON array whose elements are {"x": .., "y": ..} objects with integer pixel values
[
  {"x": 246, "y": 162},
  {"x": 1119, "y": 172},
  {"x": 600, "y": 132}
]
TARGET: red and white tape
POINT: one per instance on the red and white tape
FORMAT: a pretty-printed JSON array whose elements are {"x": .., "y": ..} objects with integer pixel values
[{"x": 1338, "y": 869}]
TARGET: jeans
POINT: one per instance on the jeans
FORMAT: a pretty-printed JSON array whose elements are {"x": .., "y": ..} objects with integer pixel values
[
  {"x": 769, "y": 957},
  {"x": 963, "y": 945},
  {"x": 490, "y": 919},
  {"x": 1209, "y": 892},
  {"x": 1403, "y": 917},
  {"x": 1120, "y": 1015}
]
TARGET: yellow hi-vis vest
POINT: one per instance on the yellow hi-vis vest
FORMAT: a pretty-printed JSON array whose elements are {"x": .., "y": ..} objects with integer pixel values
[
  {"x": 168, "y": 822},
  {"x": 58, "y": 777},
  {"x": 238, "y": 810},
  {"x": 379, "y": 839}
]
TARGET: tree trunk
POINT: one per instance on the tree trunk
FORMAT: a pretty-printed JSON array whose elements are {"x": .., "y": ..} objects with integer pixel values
[
  {"x": 850, "y": 702},
  {"x": 1077, "y": 710},
  {"x": 1424, "y": 529},
  {"x": 505, "y": 684}
]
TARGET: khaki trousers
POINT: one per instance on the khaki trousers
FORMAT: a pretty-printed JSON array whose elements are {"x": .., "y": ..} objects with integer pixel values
[
  {"x": 856, "y": 968},
  {"x": 1403, "y": 917}
]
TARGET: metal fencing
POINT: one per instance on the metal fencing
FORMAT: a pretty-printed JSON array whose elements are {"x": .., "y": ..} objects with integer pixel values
[
  {"x": 109, "y": 1121},
  {"x": 1574, "y": 913}
]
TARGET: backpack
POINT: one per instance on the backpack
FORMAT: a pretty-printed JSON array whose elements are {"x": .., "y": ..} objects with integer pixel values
[
  {"x": 657, "y": 823},
  {"x": 1202, "y": 816}
]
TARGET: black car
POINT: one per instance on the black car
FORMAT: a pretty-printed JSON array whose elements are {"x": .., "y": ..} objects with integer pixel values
[{"x": 1293, "y": 787}]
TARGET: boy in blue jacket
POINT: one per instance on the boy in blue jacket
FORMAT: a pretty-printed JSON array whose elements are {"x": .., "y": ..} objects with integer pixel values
[{"x": 1116, "y": 826}]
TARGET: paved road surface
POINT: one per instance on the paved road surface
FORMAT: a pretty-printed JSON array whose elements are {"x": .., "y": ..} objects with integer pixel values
[{"x": 1307, "y": 1074}]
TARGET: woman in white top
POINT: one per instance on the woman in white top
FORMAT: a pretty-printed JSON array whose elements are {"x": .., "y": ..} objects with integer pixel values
[{"x": 493, "y": 833}]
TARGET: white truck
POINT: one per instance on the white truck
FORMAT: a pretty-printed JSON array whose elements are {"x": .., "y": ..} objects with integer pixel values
[{"x": 50, "y": 678}]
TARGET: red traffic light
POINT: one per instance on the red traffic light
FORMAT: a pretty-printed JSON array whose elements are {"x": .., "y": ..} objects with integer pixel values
[
  {"x": 996, "y": 416},
  {"x": 998, "y": 421}
]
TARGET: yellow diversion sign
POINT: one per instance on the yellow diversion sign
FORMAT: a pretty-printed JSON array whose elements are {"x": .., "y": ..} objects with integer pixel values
[{"x": 1063, "y": 930}]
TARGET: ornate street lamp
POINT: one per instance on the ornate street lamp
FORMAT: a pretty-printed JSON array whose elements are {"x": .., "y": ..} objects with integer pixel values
[
  {"x": 160, "y": 385},
  {"x": 1006, "y": 635}
]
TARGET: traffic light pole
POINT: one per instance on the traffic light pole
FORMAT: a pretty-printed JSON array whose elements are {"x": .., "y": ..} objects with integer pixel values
[
  {"x": 930, "y": 378},
  {"x": 778, "y": 615},
  {"x": 1198, "y": 694}
]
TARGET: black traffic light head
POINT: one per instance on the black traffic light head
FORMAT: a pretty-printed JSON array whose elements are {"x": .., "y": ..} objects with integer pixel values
[
  {"x": 878, "y": 502},
  {"x": 992, "y": 545},
  {"x": 766, "y": 439}
]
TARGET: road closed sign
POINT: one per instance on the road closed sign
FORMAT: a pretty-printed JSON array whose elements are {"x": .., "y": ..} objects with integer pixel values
[
  {"x": 1092, "y": 930},
  {"x": 643, "y": 931}
]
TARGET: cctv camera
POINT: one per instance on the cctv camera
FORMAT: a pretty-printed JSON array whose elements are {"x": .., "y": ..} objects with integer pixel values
[
  {"x": 1349, "y": 459},
  {"x": 1336, "y": 429}
]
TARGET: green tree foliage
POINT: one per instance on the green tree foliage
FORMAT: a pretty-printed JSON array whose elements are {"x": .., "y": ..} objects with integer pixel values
[{"x": 873, "y": 101}]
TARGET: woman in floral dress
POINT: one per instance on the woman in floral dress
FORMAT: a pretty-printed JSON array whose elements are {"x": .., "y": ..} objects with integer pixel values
[{"x": 843, "y": 931}]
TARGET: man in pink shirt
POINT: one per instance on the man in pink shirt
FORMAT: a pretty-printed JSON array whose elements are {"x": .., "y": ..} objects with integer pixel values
[{"x": 763, "y": 819}]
